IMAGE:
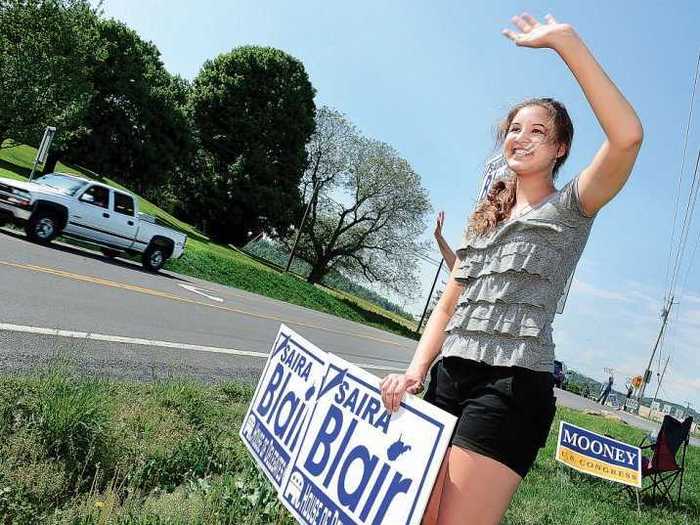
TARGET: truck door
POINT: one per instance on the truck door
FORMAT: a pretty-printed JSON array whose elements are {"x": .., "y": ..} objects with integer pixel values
[
  {"x": 91, "y": 217},
  {"x": 124, "y": 222}
]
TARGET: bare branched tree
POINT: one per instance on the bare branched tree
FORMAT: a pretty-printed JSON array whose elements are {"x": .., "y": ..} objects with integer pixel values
[{"x": 367, "y": 208}]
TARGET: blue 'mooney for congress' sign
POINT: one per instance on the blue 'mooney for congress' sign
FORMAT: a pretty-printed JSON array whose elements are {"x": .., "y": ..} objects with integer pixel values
[
  {"x": 334, "y": 453},
  {"x": 598, "y": 455}
]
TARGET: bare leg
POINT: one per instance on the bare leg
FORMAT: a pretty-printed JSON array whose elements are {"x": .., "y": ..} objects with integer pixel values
[
  {"x": 477, "y": 489},
  {"x": 432, "y": 508}
]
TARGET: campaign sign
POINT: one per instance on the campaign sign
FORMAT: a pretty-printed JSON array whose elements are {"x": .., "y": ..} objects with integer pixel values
[
  {"x": 598, "y": 455},
  {"x": 496, "y": 168},
  {"x": 280, "y": 410},
  {"x": 359, "y": 463}
]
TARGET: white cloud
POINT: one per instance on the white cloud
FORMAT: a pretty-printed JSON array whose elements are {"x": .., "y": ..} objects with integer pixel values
[
  {"x": 691, "y": 297},
  {"x": 579, "y": 286}
]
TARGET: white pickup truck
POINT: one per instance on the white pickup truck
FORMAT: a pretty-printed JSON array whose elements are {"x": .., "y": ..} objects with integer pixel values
[{"x": 60, "y": 204}]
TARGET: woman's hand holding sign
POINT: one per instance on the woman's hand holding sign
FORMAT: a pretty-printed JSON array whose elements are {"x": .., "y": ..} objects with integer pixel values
[{"x": 394, "y": 386}]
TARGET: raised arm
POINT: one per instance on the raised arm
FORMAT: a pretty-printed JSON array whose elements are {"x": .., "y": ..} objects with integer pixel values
[
  {"x": 612, "y": 165},
  {"x": 445, "y": 249}
]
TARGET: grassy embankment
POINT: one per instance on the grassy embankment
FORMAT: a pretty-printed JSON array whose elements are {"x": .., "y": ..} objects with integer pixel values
[
  {"x": 216, "y": 263},
  {"x": 85, "y": 451}
]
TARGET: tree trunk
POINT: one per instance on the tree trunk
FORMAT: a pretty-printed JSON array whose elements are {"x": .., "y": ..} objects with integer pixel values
[
  {"x": 51, "y": 160},
  {"x": 318, "y": 272}
]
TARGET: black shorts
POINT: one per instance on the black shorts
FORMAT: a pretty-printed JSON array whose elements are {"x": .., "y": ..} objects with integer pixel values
[{"x": 504, "y": 412}]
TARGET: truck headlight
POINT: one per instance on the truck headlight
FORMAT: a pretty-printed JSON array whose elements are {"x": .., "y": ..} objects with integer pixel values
[{"x": 20, "y": 193}]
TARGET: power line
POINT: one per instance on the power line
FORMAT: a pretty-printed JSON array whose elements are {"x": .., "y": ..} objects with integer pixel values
[
  {"x": 423, "y": 258},
  {"x": 680, "y": 174},
  {"x": 675, "y": 263},
  {"x": 687, "y": 220}
]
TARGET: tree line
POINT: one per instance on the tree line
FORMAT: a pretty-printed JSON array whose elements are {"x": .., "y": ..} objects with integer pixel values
[{"x": 240, "y": 150}]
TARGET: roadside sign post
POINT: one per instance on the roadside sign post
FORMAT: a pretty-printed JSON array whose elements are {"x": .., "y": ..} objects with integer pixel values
[
  {"x": 43, "y": 152},
  {"x": 632, "y": 405},
  {"x": 317, "y": 186}
]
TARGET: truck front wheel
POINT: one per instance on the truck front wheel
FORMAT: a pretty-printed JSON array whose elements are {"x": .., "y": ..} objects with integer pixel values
[
  {"x": 154, "y": 258},
  {"x": 42, "y": 227}
]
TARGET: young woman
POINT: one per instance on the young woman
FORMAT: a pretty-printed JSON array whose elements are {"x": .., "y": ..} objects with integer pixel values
[{"x": 493, "y": 322}]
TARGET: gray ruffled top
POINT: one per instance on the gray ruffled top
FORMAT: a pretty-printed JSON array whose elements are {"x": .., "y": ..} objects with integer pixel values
[{"x": 513, "y": 278}]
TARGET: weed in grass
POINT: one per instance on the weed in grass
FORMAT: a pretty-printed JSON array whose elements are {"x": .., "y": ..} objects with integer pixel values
[
  {"x": 245, "y": 497},
  {"x": 185, "y": 397},
  {"x": 14, "y": 408},
  {"x": 190, "y": 460},
  {"x": 237, "y": 392},
  {"x": 71, "y": 417}
]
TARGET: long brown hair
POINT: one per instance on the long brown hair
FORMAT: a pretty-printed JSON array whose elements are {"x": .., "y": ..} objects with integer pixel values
[{"x": 500, "y": 198}]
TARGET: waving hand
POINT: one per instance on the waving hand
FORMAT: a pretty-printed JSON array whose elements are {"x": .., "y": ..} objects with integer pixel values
[{"x": 533, "y": 33}]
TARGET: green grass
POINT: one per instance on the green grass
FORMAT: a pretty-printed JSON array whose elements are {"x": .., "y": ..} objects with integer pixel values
[
  {"x": 77, "y": 450},
  {"x": 213, "y": 262},
  {"x": 553, "y": 493}
]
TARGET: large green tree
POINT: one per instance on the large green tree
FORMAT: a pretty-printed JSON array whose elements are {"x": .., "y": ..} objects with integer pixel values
[
  {"x": 367, "y": 208},
  {"x": 253, "y": 109},
  {"x": 47, "y": 51},
  {"x": 136, "y": 128}
]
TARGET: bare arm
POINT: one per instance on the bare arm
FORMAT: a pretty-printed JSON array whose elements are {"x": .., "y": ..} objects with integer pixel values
[
  {"x": 445, "y": 249},
  {"x": 393, "y": 386},
  {"x": 612, "y": 165},
  {"x": 446, "y": 252}
]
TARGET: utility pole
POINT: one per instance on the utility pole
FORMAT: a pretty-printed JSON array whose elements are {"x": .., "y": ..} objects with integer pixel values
[
  {"x": 430, "y": 296},
  {"x": 303, "y": 219},
  {"x": 647, "y": 373},
  {"x": 661, "y": 378}
]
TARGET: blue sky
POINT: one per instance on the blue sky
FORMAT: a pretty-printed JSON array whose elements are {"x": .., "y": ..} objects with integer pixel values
[{"x": 433, "y": 78}]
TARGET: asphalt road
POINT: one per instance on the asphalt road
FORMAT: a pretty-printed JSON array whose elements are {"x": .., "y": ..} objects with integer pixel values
[
  {"x": 115, "y": 318},
  {"x": 577, "y": 402},
  {"x": 62, "y": 305}
]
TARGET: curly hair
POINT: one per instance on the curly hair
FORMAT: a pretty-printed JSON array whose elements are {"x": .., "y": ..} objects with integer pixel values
[{"x": 500, "y": 198}]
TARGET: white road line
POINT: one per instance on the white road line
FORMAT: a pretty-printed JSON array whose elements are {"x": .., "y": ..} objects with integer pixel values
[
  {"x": 57, "y": 332},
  {"x": 199, "y": 291}
]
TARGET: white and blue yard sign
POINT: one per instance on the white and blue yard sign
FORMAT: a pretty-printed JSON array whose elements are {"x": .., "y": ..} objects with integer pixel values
[
  {"x": 358, "y": 463},
  {"x": 598, "y": 455},
  {"x": 280, "y": 410},
  {"x": 317, "y": 428}
]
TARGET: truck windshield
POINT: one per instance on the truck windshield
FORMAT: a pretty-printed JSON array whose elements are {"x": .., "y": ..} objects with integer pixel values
[{"x": 67, "y": 185}]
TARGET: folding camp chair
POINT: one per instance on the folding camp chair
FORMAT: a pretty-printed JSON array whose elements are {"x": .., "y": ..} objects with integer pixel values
[{"x": 662, "y": 469}]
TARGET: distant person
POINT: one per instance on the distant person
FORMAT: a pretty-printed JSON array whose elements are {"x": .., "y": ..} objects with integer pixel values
[
  {"x": 445, "y": 249},
  {"x": 605, "y": 391},
  {"x": 493, "y": 323}
]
